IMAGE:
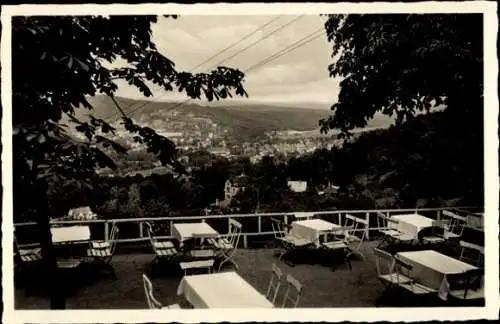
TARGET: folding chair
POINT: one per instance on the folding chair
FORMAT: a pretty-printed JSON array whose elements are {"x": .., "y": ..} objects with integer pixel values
[
  {"x": 432, "y": 235},
  {"x": 456, "y": 224},
  {"x": 466, "y": 286},
  {"x": 353, "y": 241},
  {"x": 105, "y": 244},
  {"x": 227, "y": 246},
  {"x": 152, "y": 302},
  {"x": 274, "y": 283},
  {"x": 335, "y": 242},
  {"x": 293, "y": 292},
  {"x": 27, "y": 255},
  {"x": 105, "y": 254},
  {"x": 384, "y": 263},
  {"x": 391, "y": 235},
  {"x": 403, "y": 274},
  {"x": 163, "y": 250},
  {"x": 196, "y": 265},
  {"x": 471, "y": 253},
  {"x": 287, "y": 241}
]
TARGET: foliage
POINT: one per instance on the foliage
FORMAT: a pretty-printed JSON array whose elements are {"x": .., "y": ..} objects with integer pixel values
[{"x": 403, "y": 64}]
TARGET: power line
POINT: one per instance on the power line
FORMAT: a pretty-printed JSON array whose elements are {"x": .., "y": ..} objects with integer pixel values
[
  {"x": 205, "y": 61},
  {"x": 237, "y": 53}
]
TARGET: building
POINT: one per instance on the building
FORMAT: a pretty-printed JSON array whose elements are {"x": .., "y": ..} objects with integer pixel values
[
  {"x": 233, "y": 186},
  {"x": 297, "y": 186}
]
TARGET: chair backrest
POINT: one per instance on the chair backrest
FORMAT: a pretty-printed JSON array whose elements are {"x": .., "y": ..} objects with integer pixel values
[
  {"x": 202, "y": 254},
  {"x": 402, "y": 267},
  {"x": 114, "y": 232},
  {"x": 198, "y": 264},
  {"x": 274, "y": 283},
  {"x": 234, "y": 232},
  {"x": 477, "y": 252},
  {"x": 278, "y": 228},
  {"x": 384, "y": 262},
  {"x": 466, "y": 281},
  {"x": 149, "y": 230},
  {"x": 353, "y": 225},
  {"x": 383, "y": 219},
  {"x": 148, "y": 291},
  {"x": 293, "y": 292},
  {"x": 114, "y": 239}
]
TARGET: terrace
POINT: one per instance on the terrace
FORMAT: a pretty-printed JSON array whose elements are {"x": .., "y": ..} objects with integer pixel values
[{"x": 327, "y": 280}]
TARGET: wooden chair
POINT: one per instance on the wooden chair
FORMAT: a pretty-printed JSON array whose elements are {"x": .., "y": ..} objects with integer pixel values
[
  {"x": 456, "y": 224},
  {"x": 285, "y": 240},
  {"x": 403, "y": 271},
  {"x": 384, "y": 263},
  {"x": 207, "y": 265},
  {"x": 466, "y": 286},
  {"x": 353, "y": 240},
  {"x": 471, "y": 253},
  {"x": 274, "y": 283},
  {"x": 163, "y": 250},
  {"x": 292, "y": 293},
  {"x": 152, "y": 302},
  {"x": 227, "y": 246},
  {"x": 104, "y": 254},
  {"x": 105, "y": 244},
  {"x": 335, "y": 242}
]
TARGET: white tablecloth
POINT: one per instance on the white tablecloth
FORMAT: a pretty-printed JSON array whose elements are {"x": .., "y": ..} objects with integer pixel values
[
  {"x": 411, "y": 224},
  {"x": 430, "y": 268},
  {"x": 184, "y": 231},
  {"x": 70, "y": 234},
  {"x": 221, "y": 290},
  {"x": 311, "y": 229}
]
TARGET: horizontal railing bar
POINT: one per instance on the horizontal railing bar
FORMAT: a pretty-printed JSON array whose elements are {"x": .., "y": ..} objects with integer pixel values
[{"x": 198, "y": 217}]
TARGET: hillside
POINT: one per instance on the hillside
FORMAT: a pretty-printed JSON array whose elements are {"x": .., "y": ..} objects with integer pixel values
[{"x": 247, "y": 121}]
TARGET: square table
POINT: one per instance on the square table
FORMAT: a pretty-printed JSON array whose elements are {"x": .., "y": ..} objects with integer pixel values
[
  {"x": 185, "y": 231},
  {"x": 311, "y": 229},
  {"x": 69, "y": 234},
  {"x": 221, "y": 290},
  {"x": 411, "y": 224},
  {"x": 430, "y": 268}
]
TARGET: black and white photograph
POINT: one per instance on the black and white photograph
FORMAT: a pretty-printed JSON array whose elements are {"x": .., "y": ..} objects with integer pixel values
[{"x": 177, "y": 160}]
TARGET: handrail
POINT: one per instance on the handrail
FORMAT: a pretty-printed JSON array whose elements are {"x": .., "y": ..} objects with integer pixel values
[
  {"x": 171, "y": 219},
  {"x": 195, "y": 217}
]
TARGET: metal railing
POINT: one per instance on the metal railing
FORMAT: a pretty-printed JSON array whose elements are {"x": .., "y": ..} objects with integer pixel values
[{"x": 261, "y": 227}]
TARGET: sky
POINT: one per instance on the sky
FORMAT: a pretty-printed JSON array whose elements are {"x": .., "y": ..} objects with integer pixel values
[{"x": 300, "y": 76}]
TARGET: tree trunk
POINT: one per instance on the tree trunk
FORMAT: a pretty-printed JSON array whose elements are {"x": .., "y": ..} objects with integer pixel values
[{"x": 50, "y": 271}]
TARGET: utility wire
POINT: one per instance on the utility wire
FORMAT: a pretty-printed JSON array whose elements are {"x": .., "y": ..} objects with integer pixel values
[{"x": 254, "y": 43}]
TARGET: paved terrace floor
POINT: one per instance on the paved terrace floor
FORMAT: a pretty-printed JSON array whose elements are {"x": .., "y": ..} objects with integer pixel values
[{"x": 330, "y": 284}]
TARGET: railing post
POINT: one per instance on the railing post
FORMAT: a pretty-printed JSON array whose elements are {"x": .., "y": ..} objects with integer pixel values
[
  {"x": 106, "y": 231},
  {"x": 141, "y": 233},
  {"x": 259, "y": 224},
  {"x": 170, "y": 227},
  {"x": 438, "y": 218},
  {"x": 367, "y": 228},
  {"x": 285, "y": 220},
  {"x": 245, "y": 242}
]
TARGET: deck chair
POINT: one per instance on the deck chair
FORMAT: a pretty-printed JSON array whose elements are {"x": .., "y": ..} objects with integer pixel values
[
  {"x": 152, "y": 302},
  {"x": 403, "y": 273},
  {"x": 384, "y": 263},
  {"x": 471, "y": 253},
  {"x": 163, "y": 250},
  {"x": 105, "y": 244},
  {"x": 207, "y": 265},
  {"x": 466, "y": 286},
  {"x": 227, "y": 246},
  {"x": 292, "y": 293},
  {"x": 274, "y": 283},
  {"x": 285, "y": 240},
  {"x": 104, "y": 254},
  {"x": 27, "y": 255},
  {"x": 432, "y": 235}
]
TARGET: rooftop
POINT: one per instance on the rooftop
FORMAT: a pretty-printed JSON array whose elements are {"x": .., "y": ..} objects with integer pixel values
[{"x": 330, "y": 284}]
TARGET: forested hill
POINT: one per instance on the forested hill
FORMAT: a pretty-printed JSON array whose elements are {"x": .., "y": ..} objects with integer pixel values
[{"x": 249, "y": 120}]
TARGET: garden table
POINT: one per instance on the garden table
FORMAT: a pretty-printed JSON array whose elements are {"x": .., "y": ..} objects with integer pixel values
[{"x": 221, "y": 290}]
